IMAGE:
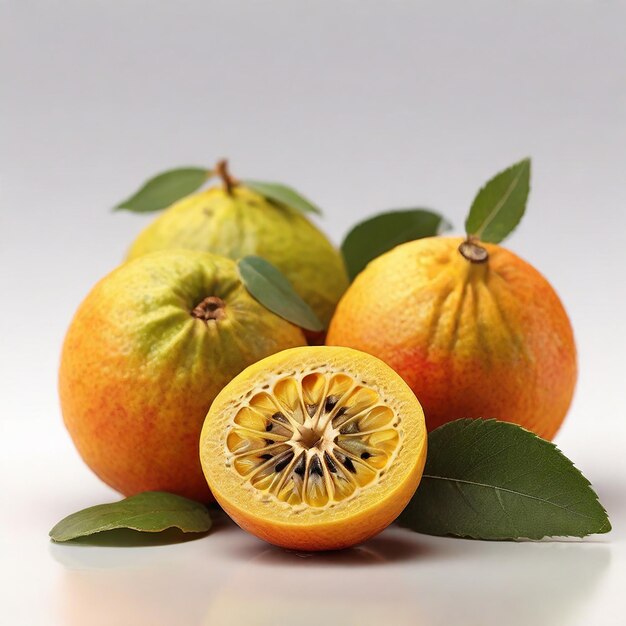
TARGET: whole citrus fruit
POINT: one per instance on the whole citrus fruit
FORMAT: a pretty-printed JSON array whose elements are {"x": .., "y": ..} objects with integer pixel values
[
  {"x": 472, "y": 339},
  {"x": 146, "y": 353},
  {"x": 238, "y": 222},
  {"x": 314, "y": 448}
]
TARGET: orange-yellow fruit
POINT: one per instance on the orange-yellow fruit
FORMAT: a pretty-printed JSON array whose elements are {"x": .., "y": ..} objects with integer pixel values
[
  {"x": 146, "y": 353},
  {"x": 471, "y": 339},
  {"x": 314, "y": 448}
]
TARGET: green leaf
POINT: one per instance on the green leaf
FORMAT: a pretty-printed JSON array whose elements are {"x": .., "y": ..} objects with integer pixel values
[
  {"x": 275, "y": 192},
  {"x": 162, "y": 190},
  {"x": 499, "y": 205},
  {"x": 487, "y": 479},
  {"x": 268, "y": 285},
  {"x": 378, "y": 234},
  {"x": 151, "y": 512}
]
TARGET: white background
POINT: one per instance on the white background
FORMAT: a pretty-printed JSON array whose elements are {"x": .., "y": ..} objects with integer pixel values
[{"x": 364, "y": 106}]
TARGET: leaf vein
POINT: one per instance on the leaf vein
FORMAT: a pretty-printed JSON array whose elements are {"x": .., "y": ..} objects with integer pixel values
[
  {"x": 512, "y": 491},
  {"x": 494, "y": 212}
]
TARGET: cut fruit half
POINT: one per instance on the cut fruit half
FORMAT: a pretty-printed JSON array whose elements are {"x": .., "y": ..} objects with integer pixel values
[{"x": 314, "y": 448}]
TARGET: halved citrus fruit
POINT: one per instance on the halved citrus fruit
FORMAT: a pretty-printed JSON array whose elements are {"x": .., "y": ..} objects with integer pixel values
[{"x": 314, "y": 448}]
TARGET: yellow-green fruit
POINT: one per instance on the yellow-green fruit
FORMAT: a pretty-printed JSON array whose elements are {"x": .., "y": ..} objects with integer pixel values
[
  {"x": 147, "y": 352},
  {"x": 244, "y": 222}
]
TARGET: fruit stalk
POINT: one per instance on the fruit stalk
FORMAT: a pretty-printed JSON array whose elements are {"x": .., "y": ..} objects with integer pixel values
[
  {"x": 473, "y": 251},
  {"x": 221, "y": 169}
]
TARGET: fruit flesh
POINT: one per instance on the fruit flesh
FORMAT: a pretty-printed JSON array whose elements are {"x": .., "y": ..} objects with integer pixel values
[
  {"x": 246, "y": 223},
  {"x": 471, "y": 339},
  {"x": 338, "y": 443},
  {"x": 314, "y": 448},
  {"x": 146, "y": 353}
]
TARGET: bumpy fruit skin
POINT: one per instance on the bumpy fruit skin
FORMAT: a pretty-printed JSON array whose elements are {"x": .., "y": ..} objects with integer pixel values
[
  {"x": 349, "y": 522},
  {"x": 472, "y": 340},
  {"x": 139, "y": 372},
  {"x": 246, "y": 223}
]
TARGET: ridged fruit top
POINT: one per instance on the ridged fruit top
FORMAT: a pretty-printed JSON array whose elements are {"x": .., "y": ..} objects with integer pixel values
[
  {"x": 242, "y": 222},
  {"x": 147, "y": 352},
  {"x": 472, "y": 339}
]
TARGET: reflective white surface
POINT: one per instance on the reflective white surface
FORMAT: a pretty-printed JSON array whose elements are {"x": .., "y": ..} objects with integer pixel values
[
  {"x": 231, "y": 578},
  {"x": 363, "y": 106}
]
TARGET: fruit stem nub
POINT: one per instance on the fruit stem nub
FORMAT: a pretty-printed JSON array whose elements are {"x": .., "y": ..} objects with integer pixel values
[
  {"x": 211, "y": 308},
  {"x": 221, "y": 169},
  {"x": 473, "y": 251}
]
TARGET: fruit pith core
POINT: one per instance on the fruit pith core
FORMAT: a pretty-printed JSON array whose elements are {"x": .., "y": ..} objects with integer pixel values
[{"x": 313, "y": 440}]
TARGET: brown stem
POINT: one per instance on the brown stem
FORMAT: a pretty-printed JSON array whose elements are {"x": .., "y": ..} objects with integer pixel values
[
  {"x": 211, "y": 308},
  {"x": 473, "y": 251},
  {"x": 221, "y": 169}
]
